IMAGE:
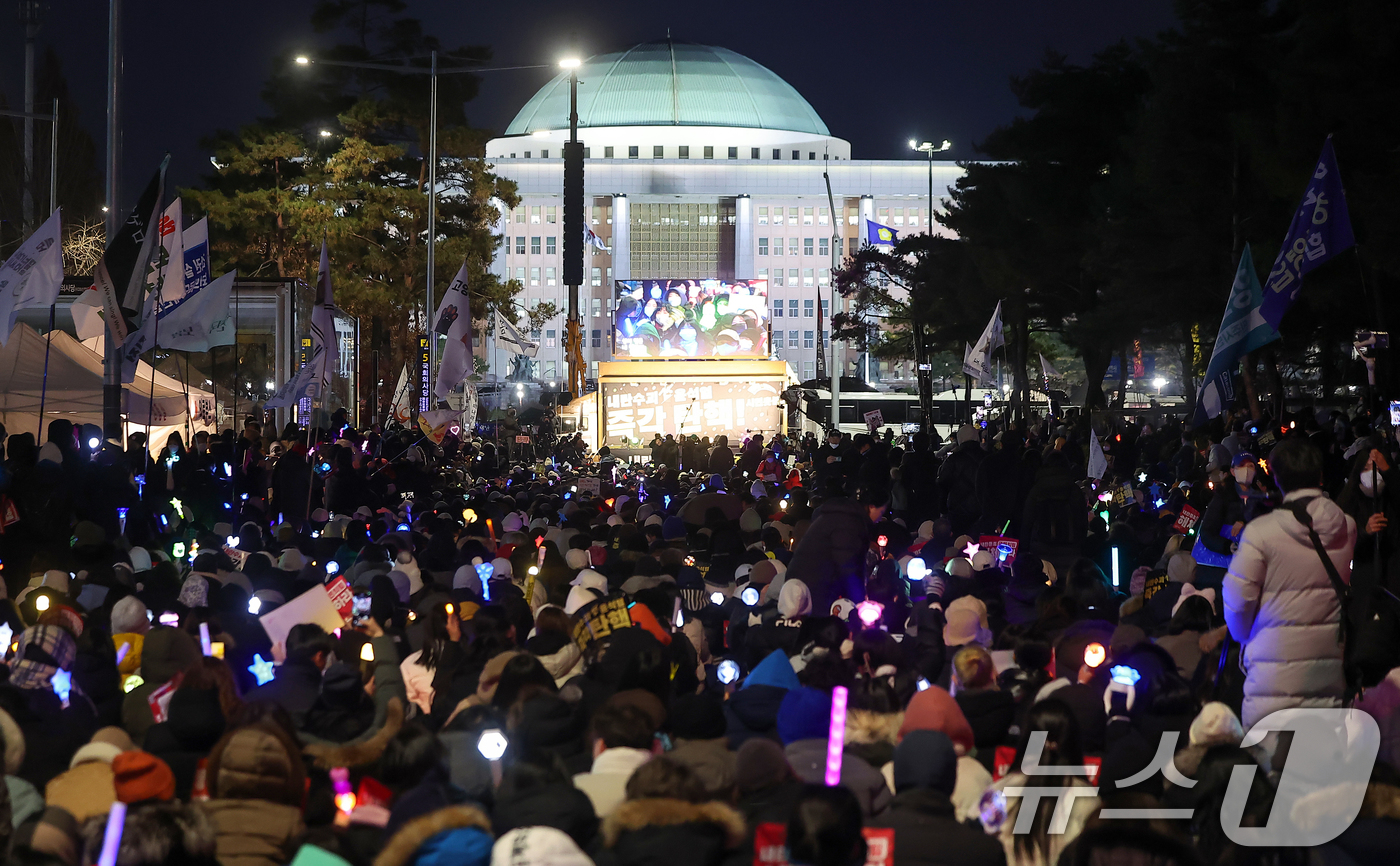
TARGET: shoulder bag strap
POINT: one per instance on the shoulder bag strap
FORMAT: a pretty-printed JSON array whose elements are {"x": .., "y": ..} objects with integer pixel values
[{"x": 1299, "y": 509}]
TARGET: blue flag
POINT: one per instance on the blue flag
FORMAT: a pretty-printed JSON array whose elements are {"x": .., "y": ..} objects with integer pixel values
[
  {"x": 878, "y": 235},
  {"x": 1321, "y": 229},
  {"x": 1242, "y": 330}
]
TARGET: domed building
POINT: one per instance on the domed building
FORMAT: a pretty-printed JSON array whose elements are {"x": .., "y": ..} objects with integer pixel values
[{"x": 700, "y": 163}]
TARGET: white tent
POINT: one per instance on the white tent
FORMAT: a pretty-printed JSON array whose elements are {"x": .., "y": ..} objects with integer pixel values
[{"x": 74, "y": 389}]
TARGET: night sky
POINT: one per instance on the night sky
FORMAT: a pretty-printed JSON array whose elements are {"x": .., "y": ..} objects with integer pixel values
[{"x": 919, "y": 70}]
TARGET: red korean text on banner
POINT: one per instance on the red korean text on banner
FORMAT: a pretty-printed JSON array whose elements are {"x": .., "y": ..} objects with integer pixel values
[
  {"x": 159, "y": 700},
  {"x": 770, "y": 845},
  {"x": 1186, "y": 520},
  {"x": 341, "y": 596}
]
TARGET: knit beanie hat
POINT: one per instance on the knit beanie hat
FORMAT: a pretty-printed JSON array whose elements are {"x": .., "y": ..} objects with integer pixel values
[
  {"x": 576, "y": 559},
  {"x": 129, "y": 616},
  {"x": 794, "y": 599},
  {"x": 759, "y": 764},
  {"x": 925, "y": 759},
  {"x": 1216, "y": 725},
  {"x": 933, "y": 709},
  {"x": 673, "y": 529},
  {"x": 140, "y": 776}
]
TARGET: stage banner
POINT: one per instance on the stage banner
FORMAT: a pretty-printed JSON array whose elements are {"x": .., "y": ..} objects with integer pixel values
[{"x": 633, "y": 412}]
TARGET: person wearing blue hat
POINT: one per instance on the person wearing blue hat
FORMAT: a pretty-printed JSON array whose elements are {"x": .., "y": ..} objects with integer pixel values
[{"x": 804, "y": 720}]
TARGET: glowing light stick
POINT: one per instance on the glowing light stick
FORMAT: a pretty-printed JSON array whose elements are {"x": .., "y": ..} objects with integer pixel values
[
  {"x": 112, "y": 836},
  {"x": 836, "y": 736}
]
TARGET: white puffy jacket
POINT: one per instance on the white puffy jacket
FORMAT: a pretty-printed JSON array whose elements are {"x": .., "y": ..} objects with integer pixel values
[{"x": 1280, "y": 604}]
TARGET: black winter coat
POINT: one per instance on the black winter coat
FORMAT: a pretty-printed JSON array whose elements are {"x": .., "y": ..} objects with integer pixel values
[
  {"x": 831, "y": 556},
  {"x": 927, "y": 833},
  {"x": 664, "y": 832}
]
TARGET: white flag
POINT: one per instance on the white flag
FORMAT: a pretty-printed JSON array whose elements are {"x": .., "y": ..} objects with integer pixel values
[
  {"x": 402, "y": 408},
  {"x": 992, "y": 336},
  {"x": 1047, "y": 369},
  {"x": 201, "y": 320},
  {"x": 512, "y": 340},
  {"x": 33, "y": 274},
  {"x": 166, "y": 271},
  {"x": 141, "y": 339},
  {"x": 454, "y": 319},
  {"x": 306, "y": 383},
  {"x": 978, "y": 365},
  {"x": 87, "y": 315},
  {"x": 1098, "y": 464}
]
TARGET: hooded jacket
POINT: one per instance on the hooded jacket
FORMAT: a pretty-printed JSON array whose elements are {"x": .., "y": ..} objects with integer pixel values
[
  {"x": 256, "y": 782},
  {"x": 752, "y": 711},
  {"x": 666, "y": 832},
  {"x": 457, "y": 835},
  {"x": 1280, "y": 605},
  {"x": 195, "y": 725},
  {"x": 165, "y": 653}
]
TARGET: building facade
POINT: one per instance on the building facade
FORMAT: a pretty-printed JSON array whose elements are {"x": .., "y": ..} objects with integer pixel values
[{"x": 699, "y": 163}]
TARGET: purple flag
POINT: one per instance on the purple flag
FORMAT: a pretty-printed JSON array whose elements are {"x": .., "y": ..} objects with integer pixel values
[{"x": 1321, "y": 229}]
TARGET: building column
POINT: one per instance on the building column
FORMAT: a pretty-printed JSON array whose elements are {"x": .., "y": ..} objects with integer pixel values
[
  {"x": 867, "y": 212},
  {"x": 621, "y": 239},
  {"x": 743, "y": 238}
]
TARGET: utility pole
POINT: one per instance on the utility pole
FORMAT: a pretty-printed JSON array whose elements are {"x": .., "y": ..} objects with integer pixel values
[
  {"x": 31, "y": 15},
  {"x": 111, "y": 360},
  {"x": 574, "y": 229}
]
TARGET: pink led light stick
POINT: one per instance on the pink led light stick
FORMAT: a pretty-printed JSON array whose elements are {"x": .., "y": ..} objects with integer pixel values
[{"x": 836, "y": 736}]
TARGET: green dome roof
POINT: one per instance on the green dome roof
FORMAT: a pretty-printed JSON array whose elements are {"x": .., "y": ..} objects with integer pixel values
[{"x": 671, "y": 84}]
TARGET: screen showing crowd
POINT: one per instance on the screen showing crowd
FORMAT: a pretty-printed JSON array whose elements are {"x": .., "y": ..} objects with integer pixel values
[{"x": 691, "y": 319}]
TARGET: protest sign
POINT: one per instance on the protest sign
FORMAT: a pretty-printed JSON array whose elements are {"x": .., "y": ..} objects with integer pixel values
[{"x": 312, "y": 606}]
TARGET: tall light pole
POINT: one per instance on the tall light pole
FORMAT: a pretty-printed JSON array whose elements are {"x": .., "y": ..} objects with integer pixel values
[
  {"x": 574, "y": 229},
  {"x": 433, "y": 72},
  {"x": 924, "y": 369},
  {"x": 31, "y": 15}
]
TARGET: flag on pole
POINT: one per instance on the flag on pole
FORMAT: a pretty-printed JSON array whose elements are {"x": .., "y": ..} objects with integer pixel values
[
  {"x": 141, "y": 339},
  {"x": 977, "y": 359},
  {"x": 323, "y": 321},
  {"x": 197, "y": 269},
  {"x": 200, "y": 321},
  {"x": 122, "y": 271},
  {"x": 821, "y": 341},
  {"x": 510, "y": 338},
  {"x": 1098, "y": 464},
  {"x": 591, "y": 239},
  {"x": 166, "y": 272},
  {"x": 1242, "y": 329},
  {"x": 1047, "y": 369},
  {"x": 1321, "y": 229},
  {"x": 33, "y": 274},
  {"x": 879, "y": 235},
  {"x": 401, "y": 410},
  {"x": 454, "y": 320}
]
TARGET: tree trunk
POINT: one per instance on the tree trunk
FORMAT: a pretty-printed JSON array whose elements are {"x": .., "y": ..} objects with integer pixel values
[
  {"x": 1250, "y": 392},
  {"x": 1122, "y": 396},
  {"x": 1096, "y": 359}
]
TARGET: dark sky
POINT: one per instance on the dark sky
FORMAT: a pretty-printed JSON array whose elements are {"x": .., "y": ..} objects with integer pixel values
[{"x": 878, "y": 73}]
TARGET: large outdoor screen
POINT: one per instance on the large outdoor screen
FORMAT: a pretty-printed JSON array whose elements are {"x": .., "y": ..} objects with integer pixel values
[{"x": 691, "y": 319}]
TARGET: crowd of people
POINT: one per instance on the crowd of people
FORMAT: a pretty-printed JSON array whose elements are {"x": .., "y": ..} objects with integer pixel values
[{"x": 585, "y": 660}]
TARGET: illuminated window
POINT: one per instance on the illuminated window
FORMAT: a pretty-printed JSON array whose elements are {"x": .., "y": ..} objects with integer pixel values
[
  {"x": 520, "y": 245},
  {"x": 808, "y": 369},
  {"x": 549, "y": 339},
  {"x": 596, "y": 281},
  {"x": 792, "y": 246},
  {"x": 899, "y": 216},
  {"x": 552, "y": 215},
  {"x": 549, "y": 245},
  {"x": 595, "y": 214},
  {"x": 763, "y": 216},
  {"x": 913, "y": 216},
  {"x": 549, "y": 276},
  {"x": 549, "y": 369},
  {"x": 534, "y": 214},
  {"x": 808, "y": 308},
  {"x": 597, "y": 306},
  {"x": 520, "y": 275},
  {"x": 534, "y": 276},
  {"x": 534, "y": 246},
  {"x": 806, "y": 216},
  {"x": 807, "y": 245},
  {"x": 852, "y": 216},
  {"x": 792, "y": 339},
  {"x": 520, "y": 215},
  {"x": 823, "y": 247},
  {"x": 807, "y": 281},
  {"x": 792, "y": 276},
  {"x": 777, "y": 339},
  {"x": 592, "y": 371},
  {"x": 792, "y": 216},
  {"x": 882, "y": 216},
  {"x": 777, "y": 276},
  {"x": 763, "y": 246},
  {"x": 763, "y": 273},
  {"x": 823, "y": 276},
  {"x": 823, "y": 217}
]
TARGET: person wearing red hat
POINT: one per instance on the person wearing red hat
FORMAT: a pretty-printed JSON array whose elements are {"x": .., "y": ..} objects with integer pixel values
[{"x": 138, "y": 777}]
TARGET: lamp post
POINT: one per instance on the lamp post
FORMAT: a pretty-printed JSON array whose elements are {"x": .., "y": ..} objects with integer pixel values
[
  {"x": 925, "y": 376},
  {"x": 573, "y": 232}
]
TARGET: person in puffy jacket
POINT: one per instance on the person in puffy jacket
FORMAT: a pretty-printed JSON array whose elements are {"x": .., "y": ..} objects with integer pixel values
[
  {"x": 830, "y": 558},
  {"x": 256, "y": 784},
  {"x": 1278, "y": 598}
]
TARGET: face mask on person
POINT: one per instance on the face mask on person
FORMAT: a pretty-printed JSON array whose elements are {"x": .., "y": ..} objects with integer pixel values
[
  {"x": 1366, "y": 486},
  {"x": 1244, "y": 474}
]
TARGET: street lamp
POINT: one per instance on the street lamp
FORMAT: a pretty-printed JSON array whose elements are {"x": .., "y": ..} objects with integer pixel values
[
  {"x": 325, "y": 133},
  {"x": 925, "y": 400},
  {"x": 1159, "y": 382}
]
